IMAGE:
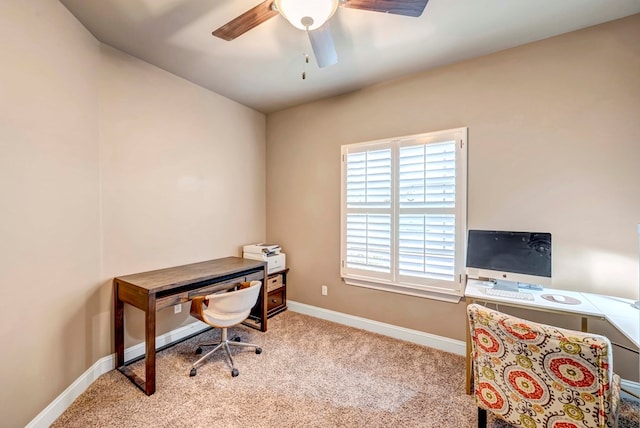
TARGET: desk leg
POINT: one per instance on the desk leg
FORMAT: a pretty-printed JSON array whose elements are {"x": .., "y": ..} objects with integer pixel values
[
  {"x": 468, "y": 364},
  {"x": 118, "y": 326},
  {"x": 264, "y": 296},
  {"x": 150, "y": 344}
]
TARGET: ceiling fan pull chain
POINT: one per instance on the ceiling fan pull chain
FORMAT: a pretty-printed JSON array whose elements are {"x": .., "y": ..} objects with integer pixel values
[
  {"x": 306, "y": 57},
  {"x": 304, "y": 67}
]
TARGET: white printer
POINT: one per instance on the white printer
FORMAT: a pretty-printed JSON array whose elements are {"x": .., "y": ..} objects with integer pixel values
[{"x": 276, "y": 260}]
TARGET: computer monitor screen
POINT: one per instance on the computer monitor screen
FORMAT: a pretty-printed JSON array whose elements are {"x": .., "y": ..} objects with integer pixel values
[{"x": 510, "y": 256}]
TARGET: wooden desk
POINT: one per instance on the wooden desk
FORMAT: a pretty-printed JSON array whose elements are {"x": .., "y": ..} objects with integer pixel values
[{"x": 154, "y": 290}]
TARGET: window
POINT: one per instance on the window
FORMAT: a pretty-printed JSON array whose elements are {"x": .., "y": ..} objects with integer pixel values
[{"x": 403, "y": 219}]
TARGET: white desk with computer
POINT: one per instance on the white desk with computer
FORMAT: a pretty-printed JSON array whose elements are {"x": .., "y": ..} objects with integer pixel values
[
  {"x": 617, "y": 311},
  {"x": 504, "y": 264}
]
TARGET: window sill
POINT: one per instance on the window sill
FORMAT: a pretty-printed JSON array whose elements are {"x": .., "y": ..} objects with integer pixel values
[{"x": 449, "y": 296}]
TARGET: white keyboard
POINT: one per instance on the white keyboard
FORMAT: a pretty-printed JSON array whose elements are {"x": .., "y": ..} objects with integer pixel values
[{"x": 509, "y": 294}]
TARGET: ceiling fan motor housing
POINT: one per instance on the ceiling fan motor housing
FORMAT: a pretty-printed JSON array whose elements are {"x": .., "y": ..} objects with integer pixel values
[{"x": 307, "y": 14}]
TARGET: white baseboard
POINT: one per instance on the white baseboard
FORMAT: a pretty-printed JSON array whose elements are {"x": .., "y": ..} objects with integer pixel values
[
  {"x": 167, "y": 338},
  {"x": 46, "y": 417},
  {"x": 431, "y": 340},
  {"x": 630, "y": 387},
  {"x": 102, "y": 366}
]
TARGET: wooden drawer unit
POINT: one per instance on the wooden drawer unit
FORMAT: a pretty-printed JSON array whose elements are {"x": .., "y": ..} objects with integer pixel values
[
  {"x": 274, "y": 282},
  {"x": 276, "y": 300},
  {"x": 276, "y": 292}
]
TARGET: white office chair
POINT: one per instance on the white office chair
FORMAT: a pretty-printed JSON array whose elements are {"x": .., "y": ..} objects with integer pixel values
[{"x": 223, "y": 310}]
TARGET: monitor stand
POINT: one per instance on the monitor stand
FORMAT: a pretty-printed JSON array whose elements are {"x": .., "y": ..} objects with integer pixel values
[
  {"x": 505, "y": 285},
  {"x": 502, "y": 284},
  {"x": 530, "y": 286}
]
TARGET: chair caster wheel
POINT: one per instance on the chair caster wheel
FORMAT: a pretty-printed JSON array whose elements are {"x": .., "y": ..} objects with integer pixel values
[
  {"x": 236, "y": 339},
  {"x": 235, "y": 372},
  {"x": 192, "y": 373},
  {"x": 198, "y": 351},
  {"x": 258, "y": 350}
]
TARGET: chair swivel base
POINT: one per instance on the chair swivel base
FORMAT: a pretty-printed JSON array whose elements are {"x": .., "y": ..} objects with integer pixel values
[{"x": 224, "y": 343}]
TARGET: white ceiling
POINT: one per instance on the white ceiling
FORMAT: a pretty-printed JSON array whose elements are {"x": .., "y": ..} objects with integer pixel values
[{"x": 263, "y": 68}]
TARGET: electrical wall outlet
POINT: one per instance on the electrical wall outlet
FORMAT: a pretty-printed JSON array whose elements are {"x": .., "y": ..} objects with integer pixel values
[
  {"x": 324, "y": 290},
  {"x": 177, "y": 309}
]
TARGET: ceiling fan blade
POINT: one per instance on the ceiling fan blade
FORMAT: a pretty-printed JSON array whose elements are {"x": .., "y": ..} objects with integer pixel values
[
  {"x": 323, "y": 47},
  {"x": 245, "y": 22},
  {"x": 397, "y": 7}
]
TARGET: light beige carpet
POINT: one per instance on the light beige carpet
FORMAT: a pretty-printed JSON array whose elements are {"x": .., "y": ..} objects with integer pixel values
[{"x": 312, "y": 373}]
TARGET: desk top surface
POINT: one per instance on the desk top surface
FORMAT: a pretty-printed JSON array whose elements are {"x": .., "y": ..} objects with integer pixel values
[
  {"x": 162, "y": 279},
  {"x": 476, "y": 290},
  {"x": 616, "y": 310},
  {"x": 619, "y": 313}
]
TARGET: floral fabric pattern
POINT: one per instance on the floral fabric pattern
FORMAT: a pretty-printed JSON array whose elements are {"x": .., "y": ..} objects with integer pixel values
[{"x": 539, "y": 376}]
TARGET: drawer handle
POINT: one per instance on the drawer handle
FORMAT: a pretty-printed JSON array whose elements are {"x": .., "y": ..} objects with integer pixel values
[{"x": 274, "y": 301}]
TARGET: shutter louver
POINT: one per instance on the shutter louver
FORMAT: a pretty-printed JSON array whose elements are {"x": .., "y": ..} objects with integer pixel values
[
  {"x": 426, "y": 246},
  {"x": 428, "y": 175},
  {"x": 369, "y": 179},
  {"x": 369, "y": 242}
]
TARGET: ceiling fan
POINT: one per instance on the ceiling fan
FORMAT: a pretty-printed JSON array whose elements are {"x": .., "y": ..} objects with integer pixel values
[{"x": 313, "y": 16}]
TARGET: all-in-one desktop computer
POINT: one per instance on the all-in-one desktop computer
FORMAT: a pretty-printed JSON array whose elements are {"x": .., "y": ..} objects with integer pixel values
[{"x": 510, "y": 260}]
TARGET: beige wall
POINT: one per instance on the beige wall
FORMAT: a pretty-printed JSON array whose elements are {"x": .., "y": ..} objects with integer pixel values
[
  {"x": 109, "y": 166},
  {"x": 49, "y": 182},
  {"x": 553, "y": 146},
  {"x": 182, "y": 177}
]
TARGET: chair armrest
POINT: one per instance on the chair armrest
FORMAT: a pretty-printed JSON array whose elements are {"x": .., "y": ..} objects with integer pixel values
[{"x": 197, "y": 304}]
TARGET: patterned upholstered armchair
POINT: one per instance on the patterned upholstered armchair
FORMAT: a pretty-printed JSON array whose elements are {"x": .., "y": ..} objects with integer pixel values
[{"x": 537, "y": 376}]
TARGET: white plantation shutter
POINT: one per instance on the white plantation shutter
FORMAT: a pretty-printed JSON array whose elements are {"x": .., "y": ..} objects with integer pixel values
[
  {"x": 368, "y": 223},
  {"x": 404, "y": 213},
  {"x": 426, "y": 232}
]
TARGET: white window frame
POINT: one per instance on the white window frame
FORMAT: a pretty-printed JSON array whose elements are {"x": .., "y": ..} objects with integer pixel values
[{"x": 450, "y": 291}]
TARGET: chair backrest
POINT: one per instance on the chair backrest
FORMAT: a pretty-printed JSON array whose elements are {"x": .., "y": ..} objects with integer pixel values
[
  {"x": 232, "y": 307},
  {"x": 535, "y": 375}
]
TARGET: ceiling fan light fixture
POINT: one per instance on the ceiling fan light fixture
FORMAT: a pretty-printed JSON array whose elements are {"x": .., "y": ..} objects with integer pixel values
[{"x": 307, "y": 14}]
